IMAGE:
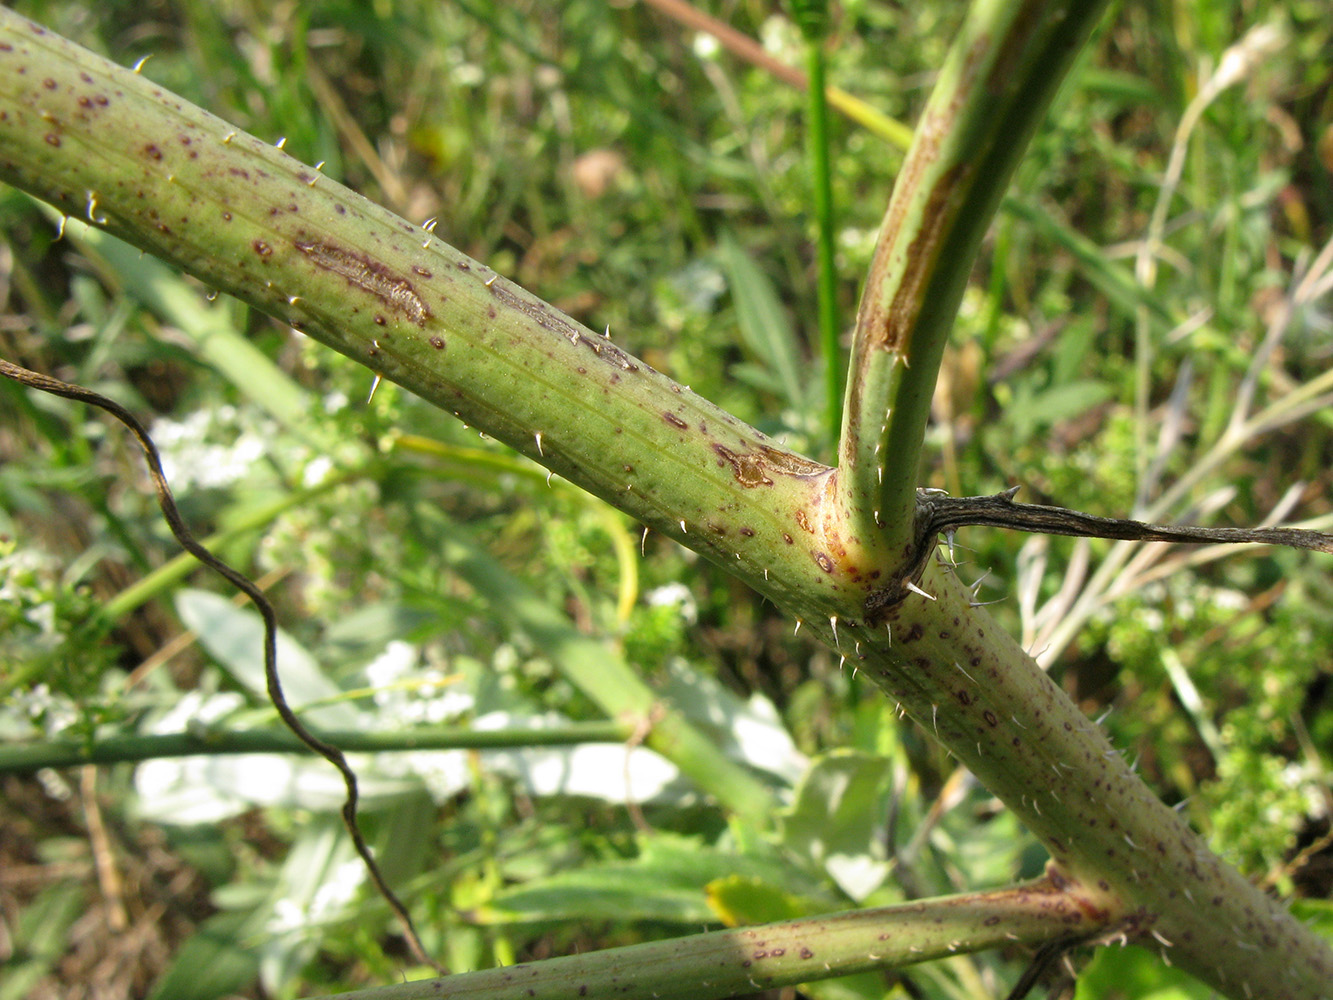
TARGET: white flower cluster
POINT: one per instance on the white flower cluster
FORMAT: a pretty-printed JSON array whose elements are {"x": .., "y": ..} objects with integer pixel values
[{"x": 192, "y": 456}]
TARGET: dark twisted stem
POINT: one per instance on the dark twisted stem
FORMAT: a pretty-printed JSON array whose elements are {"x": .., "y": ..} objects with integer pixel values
[
  {"x": 942, "y": 515},
  {"x": 167, "y": 502}
]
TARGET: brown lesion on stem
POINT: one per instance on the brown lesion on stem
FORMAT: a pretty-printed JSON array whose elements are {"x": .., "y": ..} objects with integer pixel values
[
  {"x": 753, "y": 468},
  {"x": 365, "y": 273}
]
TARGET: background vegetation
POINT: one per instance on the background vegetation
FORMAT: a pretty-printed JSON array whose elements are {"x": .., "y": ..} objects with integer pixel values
[{"x": 632, "y": 174}]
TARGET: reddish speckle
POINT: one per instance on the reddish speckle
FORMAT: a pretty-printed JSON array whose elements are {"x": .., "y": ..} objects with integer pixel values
[
  {"x": 52, "y": 139},
  {"x": 262, "y": 248},
  {"x": 437, "y": 343},
  {"x": 226, "y": 216},
  {"x": 674, "y": 420},
  {"x": 152, "y": 152},
  {"x": 380, "y": 320},
  {"x": 825, "y": 563},
  {"x": 418, "y": 269},
  {"x": 747, "y": 532},
  {"x": 807, "y": 953},
  {"x": 49, "y": 84},
  {"x": 990, "y": 717},
  {"x": 786, "y": 538}
]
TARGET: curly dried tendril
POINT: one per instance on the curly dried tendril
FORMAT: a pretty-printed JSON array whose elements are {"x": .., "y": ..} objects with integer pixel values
[{"x": 171, "y": 514}]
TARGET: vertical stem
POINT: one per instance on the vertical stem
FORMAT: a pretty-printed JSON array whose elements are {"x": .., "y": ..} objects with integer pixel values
[
  {"x": 993, "y": 90},
  {"x": 821, "y": 184}
]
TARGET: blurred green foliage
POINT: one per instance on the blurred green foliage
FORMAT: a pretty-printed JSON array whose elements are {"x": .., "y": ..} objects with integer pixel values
[{"x": 629, "y": 172}]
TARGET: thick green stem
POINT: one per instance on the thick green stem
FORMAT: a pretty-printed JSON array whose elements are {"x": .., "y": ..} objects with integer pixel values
[
  {"x": 965, "y": 680},
  {"x": 821, "y": 192},
  {"x": 109, "y": 145},
  {"x": 770, "y": 956},
  {"x": 1001, "y": 73}
]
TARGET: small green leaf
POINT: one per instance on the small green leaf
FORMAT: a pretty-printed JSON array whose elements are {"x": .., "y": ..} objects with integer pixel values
[
  {"x": 838, "y": 819},
  {"x": 213, "y": 962},
  {"x": 738, "y": 900},
  {"x": 1134, "y": 973},
  {"x": 40, "y": 937},
  {"x": 765, "y": 327}
]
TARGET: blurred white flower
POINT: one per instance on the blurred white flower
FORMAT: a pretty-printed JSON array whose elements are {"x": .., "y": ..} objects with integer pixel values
[{"x": 674, "y": 595}]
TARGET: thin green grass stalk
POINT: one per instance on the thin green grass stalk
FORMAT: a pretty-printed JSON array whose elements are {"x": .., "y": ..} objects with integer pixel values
[
  {"x": 463, "y": 464},
  {"x": 604, "y": 676},
  {"x": 821, "y": 189},
  {"x": 176, "y": 569},
  {"x": 27, "y": 758},
  {"x": 892, "y": 131}
]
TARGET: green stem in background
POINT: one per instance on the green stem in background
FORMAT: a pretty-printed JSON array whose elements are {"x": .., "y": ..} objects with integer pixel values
[
  {"x": 812, "y": 16},
  {"x": 25, "y": 758},
  {"x": 997, "y": 81},
  {"x": 894, "y": 132},
  {"x": 606, "y": 678},
  {"x": 180, "y": 566},
  {"x": 770, "y": 956}
]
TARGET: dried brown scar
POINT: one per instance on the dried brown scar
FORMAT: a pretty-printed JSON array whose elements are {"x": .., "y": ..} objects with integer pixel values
[{"x": 371, "y": 276}]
